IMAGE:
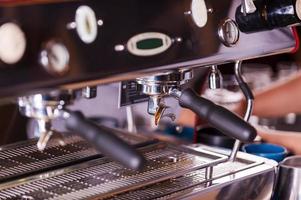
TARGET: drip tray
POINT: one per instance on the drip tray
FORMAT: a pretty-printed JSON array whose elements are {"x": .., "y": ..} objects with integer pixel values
[
  {"x": 169, "y": 189},
  {"x": 24, "y": 158},
  {"x": 101, "y": 178}
]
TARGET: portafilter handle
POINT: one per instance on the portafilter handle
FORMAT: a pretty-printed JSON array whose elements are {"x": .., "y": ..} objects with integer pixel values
[
  {"x": 104, "y": 140},
  {"x": 218, "y": 116}
]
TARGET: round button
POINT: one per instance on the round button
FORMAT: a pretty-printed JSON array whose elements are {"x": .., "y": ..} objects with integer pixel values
[
  {"x": 86, "y": 24},
  {"x": 12, "y": 43},
  {"x": 55, "y": 58},
  {"x": 228, "y": 33},
  {"x": 199, "y": 12}
]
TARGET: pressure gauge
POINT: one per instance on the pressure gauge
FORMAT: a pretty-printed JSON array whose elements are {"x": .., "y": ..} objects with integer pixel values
[
  {"x": 228, "y": 32},
  {"x": 199, "y": 12},
  {"x": 12, "y": 43}
]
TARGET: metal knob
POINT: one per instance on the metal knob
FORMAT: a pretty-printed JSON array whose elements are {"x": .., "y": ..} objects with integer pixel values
[{"x": 55, "y": 58}]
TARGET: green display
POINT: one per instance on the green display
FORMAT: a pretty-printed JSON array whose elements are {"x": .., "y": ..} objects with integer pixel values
[{"x": 147, "y": 44}]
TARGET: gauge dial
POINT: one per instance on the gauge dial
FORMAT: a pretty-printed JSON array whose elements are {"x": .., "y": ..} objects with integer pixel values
[{"x": 228, "y": 33}]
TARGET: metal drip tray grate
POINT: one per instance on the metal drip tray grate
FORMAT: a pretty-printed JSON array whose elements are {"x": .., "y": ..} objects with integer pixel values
[
  {"x": 103, "y": 178},
  {"x": 24, "y": 158},
  {"x": 171, "y": 188}
]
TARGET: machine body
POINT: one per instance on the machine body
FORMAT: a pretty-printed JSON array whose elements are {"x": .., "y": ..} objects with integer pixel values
[{"x": 55, "y": 52}]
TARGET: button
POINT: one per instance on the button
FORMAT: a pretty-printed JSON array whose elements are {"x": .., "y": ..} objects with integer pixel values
[
  {"x": 228, "y": 32},
  {"x": 12, "y": 43},
  {"x": 86, "y": 24},
  {"x": 55, "y": 58},
  {"x": 199, "y": 12}
]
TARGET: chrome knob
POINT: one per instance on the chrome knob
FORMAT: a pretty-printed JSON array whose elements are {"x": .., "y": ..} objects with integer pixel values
[{"x": 55, "y": 58}]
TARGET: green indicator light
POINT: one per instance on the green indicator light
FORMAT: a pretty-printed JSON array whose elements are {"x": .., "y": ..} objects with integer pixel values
[{"x": 147, "y": 44}]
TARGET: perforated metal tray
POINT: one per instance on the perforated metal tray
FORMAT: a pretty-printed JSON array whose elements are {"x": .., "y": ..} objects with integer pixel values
[
  {"x": 103, "y": 178},
  {"x": 24, "y": 158},
  {"x": 172, "y": 188}
]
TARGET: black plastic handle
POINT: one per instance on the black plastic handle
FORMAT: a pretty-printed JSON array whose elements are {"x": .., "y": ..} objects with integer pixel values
[
  {"x": 219, "y": 117},
  {"x": 105, "y": 141}
]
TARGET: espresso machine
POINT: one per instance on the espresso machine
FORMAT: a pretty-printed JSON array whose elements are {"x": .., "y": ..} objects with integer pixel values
[{"x": 55, "y": 52}]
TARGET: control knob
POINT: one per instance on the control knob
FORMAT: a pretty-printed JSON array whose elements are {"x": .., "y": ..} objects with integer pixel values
[
  {"x": 12, "y": 43},
  {"x": 55, "y": 58}
]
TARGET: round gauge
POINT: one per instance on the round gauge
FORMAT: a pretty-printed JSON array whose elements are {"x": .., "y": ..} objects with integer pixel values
[
  {"x": 12, "y": 43},
  {"x": 199, "y": 12},
  {"x": 86, "y": 24},
  {"x": 55, "y": 58},
  {"x": 228, "y": 32}
]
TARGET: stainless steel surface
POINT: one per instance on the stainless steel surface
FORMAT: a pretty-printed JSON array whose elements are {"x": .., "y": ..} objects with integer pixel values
[
  {"x": 228, "y": 180},
  {"x": 158, "y": 87},
  {"x": 104, "y": 178},
  {"x": 130, "y": 118},
  {"x": 160, "y": 84},
  {"x": 172, "y": 173},
  {"x": 289, "y": 179},
  {"x": 215, "y": 78},
  {"x": 24, "y": 158},
  {"x": 189, "y": 180},
  {"x": 44, "y": 108},
  {"x": 43, "y": 128},
  {"x": 249, "y": 109}
]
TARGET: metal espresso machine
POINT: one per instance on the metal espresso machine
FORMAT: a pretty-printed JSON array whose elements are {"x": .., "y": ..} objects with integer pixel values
[{"x": 54, "y": 52}]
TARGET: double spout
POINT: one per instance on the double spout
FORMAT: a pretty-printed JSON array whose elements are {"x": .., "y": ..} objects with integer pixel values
[{"x": 48, "y": 107}]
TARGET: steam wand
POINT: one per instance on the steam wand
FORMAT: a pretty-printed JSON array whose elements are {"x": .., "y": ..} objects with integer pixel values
[{"x": 249, "y": 98}]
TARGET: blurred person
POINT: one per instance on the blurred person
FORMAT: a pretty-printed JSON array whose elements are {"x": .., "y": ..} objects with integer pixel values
[{"x": 278, "y": 100}]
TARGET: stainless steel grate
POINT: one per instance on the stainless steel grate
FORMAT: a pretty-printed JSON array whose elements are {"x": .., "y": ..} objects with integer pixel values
[
  {"x": 24, "y": 158},
  {"x": 104, "y": 178},
  {"x": 171, "y": 188}
]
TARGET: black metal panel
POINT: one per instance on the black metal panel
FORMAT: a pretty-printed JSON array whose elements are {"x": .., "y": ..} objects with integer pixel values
[{"x": 122, "y": 19}]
